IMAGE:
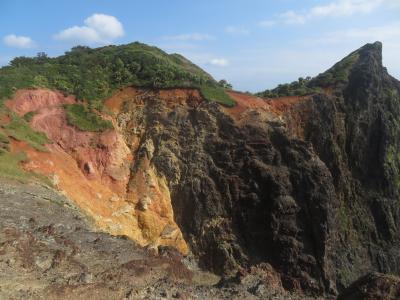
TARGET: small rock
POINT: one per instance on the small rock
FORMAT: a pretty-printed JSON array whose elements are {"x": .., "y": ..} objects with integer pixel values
[
  {"x": 44, "y": 262},
  {"x": 144, "y": 203}
]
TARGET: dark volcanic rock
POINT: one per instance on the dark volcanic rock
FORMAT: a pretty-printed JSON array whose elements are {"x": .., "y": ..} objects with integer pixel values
[
  {"x": 373, "y": 286},
  {"x": 244, "y": 195},
  {"x": 322, "y": 209},
  {"x": 48, "y": 250},
  {"x": 356, "y": 133}
]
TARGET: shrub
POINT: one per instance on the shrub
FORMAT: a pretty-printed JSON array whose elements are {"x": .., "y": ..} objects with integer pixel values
[
  {"x": 217, "y": 94},
  {"x": 85, "y": 119},
  {"x": 94, "y": 74},
  {"x": 19, "y": 129}
]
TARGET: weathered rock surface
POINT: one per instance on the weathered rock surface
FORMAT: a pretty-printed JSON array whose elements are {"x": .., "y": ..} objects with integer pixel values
[
  {"x": 308, "y": 185},
  {"x": 302, "y": 192},
  {"x": 373, "y": 286},
  {"x": 49, "y": 250}
]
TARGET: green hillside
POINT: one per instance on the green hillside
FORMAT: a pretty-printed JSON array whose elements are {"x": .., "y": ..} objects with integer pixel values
[
  {"x": 94, "y": 74},
  {"x": 336, "y": 75}
]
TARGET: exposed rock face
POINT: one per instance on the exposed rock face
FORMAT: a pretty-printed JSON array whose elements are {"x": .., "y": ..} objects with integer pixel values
[
  {"x": 306, "y": 185},
  {"x": 93, "y": 169},
  {"x": 241, "y": 194},
  {"x": 355, "y": 132},
  {"x": 373, "y": 286}
]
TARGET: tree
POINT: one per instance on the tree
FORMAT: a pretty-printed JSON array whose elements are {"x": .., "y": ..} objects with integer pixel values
[
  {"x": 22, "y": 61},
  {"x": 225, "y": 84},
  {"x": 42, "y": 58},
  {"x": 40, "y": 81}
]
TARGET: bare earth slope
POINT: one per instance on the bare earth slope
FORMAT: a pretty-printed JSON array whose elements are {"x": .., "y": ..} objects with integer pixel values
[{"x": 49, "y": 250}]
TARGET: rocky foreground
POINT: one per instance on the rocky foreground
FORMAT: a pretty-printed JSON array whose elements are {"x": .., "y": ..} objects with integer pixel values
[{"x": 49, "y": 250}]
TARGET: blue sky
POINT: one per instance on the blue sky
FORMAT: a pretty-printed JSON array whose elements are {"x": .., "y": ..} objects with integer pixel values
[{"x": 254, "y": 44}]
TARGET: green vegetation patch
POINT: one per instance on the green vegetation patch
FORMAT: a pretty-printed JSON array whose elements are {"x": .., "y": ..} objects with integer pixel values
[
  {"x": 28, "y": 116},
  {"x": 10, "y": 166},
  {"x": 300, "y": 87},
  {"x": 94, "y": 74},
  {"x": 4, "y": 142},
  {"x": 339, "y": 73},
  {"x": 3, "y": 138},
  {"x": 19, "y": 129},
  {"x": 85, "y": 119},
  {"x": 217, "y": 94}
]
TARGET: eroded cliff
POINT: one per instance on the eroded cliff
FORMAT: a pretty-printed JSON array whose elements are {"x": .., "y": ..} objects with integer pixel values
[{"x": 308, "y": 186}]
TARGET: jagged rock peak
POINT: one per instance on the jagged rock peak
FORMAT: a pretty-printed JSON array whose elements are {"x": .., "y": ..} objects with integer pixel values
[{"x": 371, "y": 53}]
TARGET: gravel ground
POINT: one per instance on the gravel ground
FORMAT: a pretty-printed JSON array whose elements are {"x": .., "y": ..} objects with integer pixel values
[{"x": 49, "y": 250}]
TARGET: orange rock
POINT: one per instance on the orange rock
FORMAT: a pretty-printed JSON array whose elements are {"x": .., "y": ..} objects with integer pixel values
[{"x": 93, "y": 169}]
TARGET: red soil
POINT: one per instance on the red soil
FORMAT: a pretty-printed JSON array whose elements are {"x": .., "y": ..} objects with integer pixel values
[
  {"x": 114, "y": 103},
  {"x": 283, "y": 104},
  {"x": 101, "y": 158},
  {"x": 245, "y": 102},
  {"x": 278, "y": 106},
  {"x": 93, "y": 169},
  {"x": 172, "y": 97},
  {"x": 292, "y": 111},
  {"x": 28, "y": 100}
]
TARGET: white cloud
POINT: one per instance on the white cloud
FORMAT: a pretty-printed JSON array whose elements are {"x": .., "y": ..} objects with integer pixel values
[
  {"x": 290, "y": 17},
  {"x": 337, "y": 8},
  {"x": 219, "y": 62},
  {"x": 345, "y": 8},
  {"x": 98, "y": 29},
  {"x": 189, "y": 37},
  {"x": 13, "y": 40},
  {"x": 233, "y": 30},
  {"x": 267, "y": 23},
  {"x": 385, "y": 33}
]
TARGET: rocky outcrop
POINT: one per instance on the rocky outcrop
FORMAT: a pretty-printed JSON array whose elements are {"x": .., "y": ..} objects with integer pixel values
[
  {"x": 308, "y": 185},
  {"x": 93, "y": 169},
  {"x": 355, "y": 132},
  {"x": 242, "y": 195},
  {"x": 304, "y": 188},
  {"x": 374, "y": 286}
]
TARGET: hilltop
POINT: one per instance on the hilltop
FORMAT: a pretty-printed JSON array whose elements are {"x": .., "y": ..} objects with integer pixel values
[{"x": 95, "y": 74}]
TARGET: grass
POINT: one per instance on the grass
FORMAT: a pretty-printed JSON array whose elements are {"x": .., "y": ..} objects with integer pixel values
[
  {"x": 3, "y": 138},
  {"x": 339, "y": 73},
  {"x": 217, "y": 94},
  {"x": 85, "y": 119},
  {"x": 10, "y": 166},
  {"x": 28, "y": 116},
  {"x": 4, "y": 142},
  {"x": 19, "y": 129}
]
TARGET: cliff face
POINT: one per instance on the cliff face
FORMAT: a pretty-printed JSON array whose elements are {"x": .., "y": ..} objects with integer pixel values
[
  {"x": 309, "y": 185},
  {"x": 355, "y": 132}
]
